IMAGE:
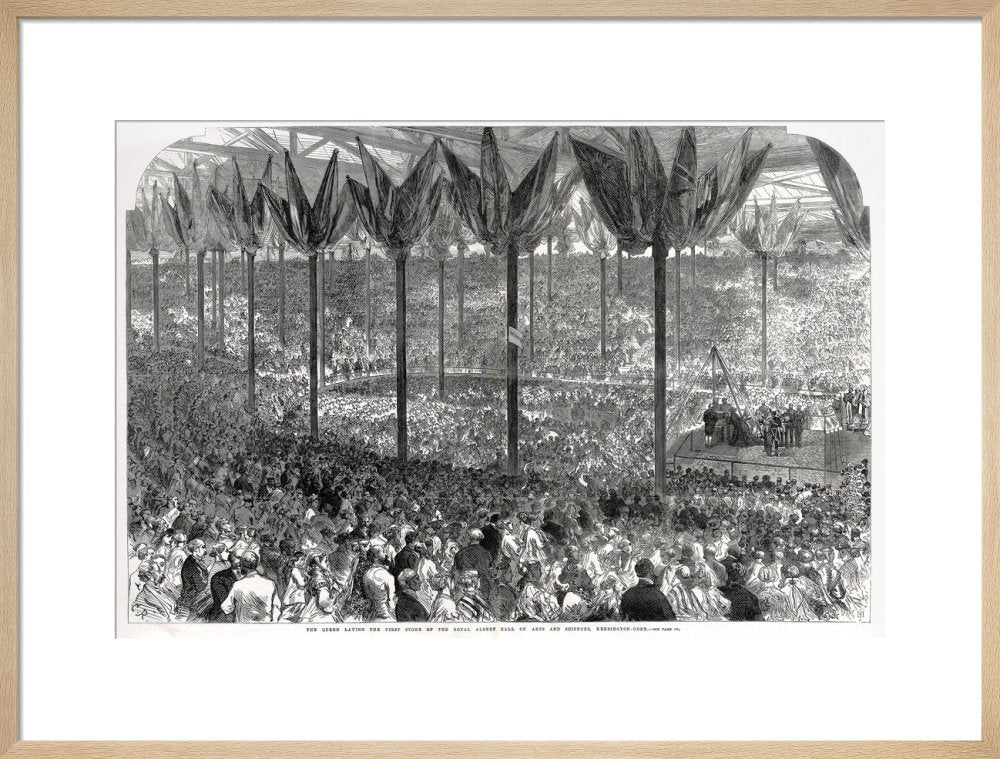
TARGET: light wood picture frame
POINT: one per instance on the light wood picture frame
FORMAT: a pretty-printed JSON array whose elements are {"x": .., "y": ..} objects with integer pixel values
[{"x": 14, "y": 11}]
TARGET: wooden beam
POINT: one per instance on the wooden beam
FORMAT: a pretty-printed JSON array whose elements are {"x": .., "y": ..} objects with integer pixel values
[
  {"x": 164, "y": 166},
  {"x": 797, "y": 186},
  {"x": 315, "y": 146},
  {"x": 529, "y": 132},
  {"x": 239, "y": 136},
  {"x": 455, "y": 134},
  {"x": 268, "y": 140},
  {"x": 371, "y": 139},
  {"x": 226, "y": 152},
  {"x": 788, "y": 176},
  {"x": 812, "y": 203}
]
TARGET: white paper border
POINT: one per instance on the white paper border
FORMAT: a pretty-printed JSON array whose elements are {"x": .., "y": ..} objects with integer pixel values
[{"x": 921, "y": 680}]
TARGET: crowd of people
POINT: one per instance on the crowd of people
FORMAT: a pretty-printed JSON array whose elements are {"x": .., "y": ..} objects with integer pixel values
[
  {"x": 818, "y": 318},
  {"x": 579, "y": 430},
  {"x": 251, "y": 521},
  {"x": 334, "y": 533},
  {"x": 326, "y": 532}
]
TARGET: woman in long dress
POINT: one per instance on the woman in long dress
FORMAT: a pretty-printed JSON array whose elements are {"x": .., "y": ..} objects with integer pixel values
[
  {"x": 715, "y": 605},
  {"x": 320, "y": 606},
  {"x": 686, "y": 603},
  {"x": 443, "y": 609},
  {"x": 294, "y": 599},
  {"x": 799, "y": 597},
  {"x": 773, "y": 603},
  {"x": 534, "y": 603}
]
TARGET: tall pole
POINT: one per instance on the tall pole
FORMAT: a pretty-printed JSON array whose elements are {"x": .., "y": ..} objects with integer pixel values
[
  {"x": 713, "y": 375},
  {"x": 243, "y": 271},
  {"x": 548, "y": 276},
  {"x": 187, "y": 272},
  {"x": 155, "y": 254},
  {"x": 677, "y": 315},
  {"x": 321, "y": 294},
  {"x": 462, "y": 247},
  {"x": 660, "y": 251},
  {"x": 215, "y": 274},
  {"x": 620, "y": 269},
  {"x": 694, "y": 297},
  {"x": 201, "y": 310},
  {"x": 313, "y": 341},
  {"x": 763, "y": 319},
  {"x": 251, "y": 335},
  {"x": 368, "y": 299},
  {"x": 512, "y": 404},
  {"x": 604, "y": 309},
  {"x": 531, "y": 306},
  {"x": 400, "y": 256},
  {"x": 222, "y": 302},
  {"x": 441, "y": 329},
  {"x": 281, "y": 294}
]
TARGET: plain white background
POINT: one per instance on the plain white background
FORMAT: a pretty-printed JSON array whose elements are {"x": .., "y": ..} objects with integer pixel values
[{"x": 919, "y": 679}]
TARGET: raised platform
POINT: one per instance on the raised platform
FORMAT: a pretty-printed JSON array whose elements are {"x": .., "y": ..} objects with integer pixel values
[{"x": 820, "y": 459}]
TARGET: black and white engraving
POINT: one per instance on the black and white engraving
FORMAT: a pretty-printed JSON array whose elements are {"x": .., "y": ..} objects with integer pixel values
[{"x": 534, "y": 374}]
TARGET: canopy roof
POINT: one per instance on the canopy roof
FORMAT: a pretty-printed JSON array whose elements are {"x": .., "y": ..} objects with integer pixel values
[{"x": 790, "y": 173}]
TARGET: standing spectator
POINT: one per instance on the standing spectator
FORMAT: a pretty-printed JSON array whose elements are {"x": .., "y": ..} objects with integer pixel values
[
  {"x": 221, "y": 584},
  {"x": 194, "y": 576},
  {"x": 253, "y": 598},
  {"x": 407, "y": 558},
  {"x": 710, "y": 418}
]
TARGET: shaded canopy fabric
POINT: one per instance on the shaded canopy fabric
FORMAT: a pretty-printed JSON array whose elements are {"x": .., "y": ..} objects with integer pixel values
[{"x": 850, "y": 213}]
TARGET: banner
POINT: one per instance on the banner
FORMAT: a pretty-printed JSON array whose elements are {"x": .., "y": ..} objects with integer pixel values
[{"x": 514, "y": 335}]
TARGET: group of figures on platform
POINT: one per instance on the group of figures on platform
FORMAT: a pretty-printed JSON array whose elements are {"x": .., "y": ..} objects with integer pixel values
[
  {"x": 724, "y": 424},
  {"x": 781, "y": 428},
  {"x": 854, "y": 407}
]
